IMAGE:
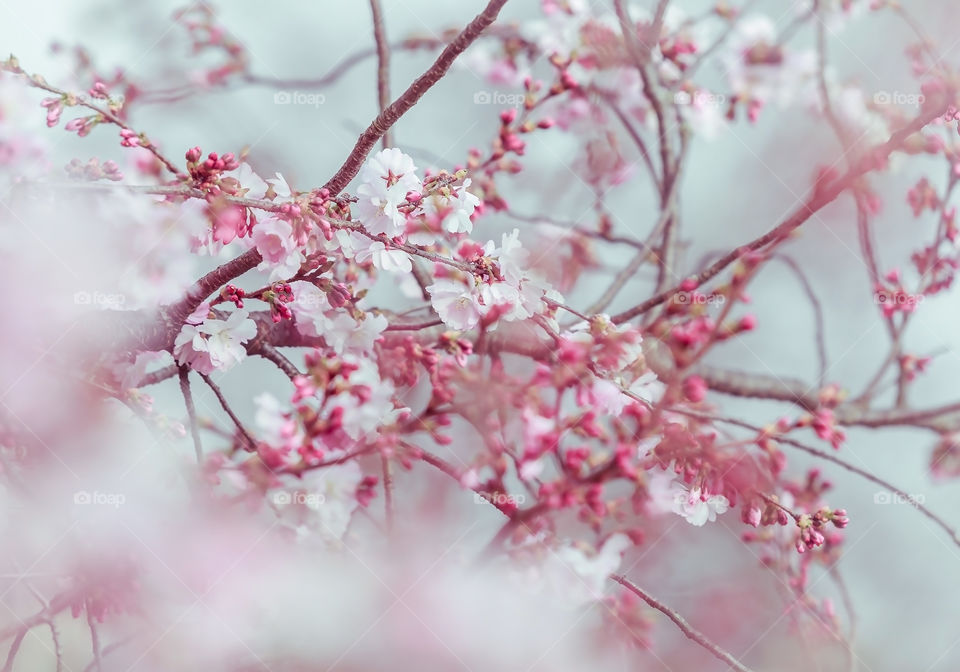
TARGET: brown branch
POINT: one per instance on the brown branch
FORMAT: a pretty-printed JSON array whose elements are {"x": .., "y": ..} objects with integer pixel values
[
  {"x": 824, "y": 455},
  {"x": 415, "y": 326},
  {"x": 385, "y": 120},
  {"x": 640, "y": 53},
  {"x": 94, "y": 642},
  {"x": 819, "y": 326},
  {"x": 191, "y": 411},
  {"x": 57, "y": 604},
  {"x": 81, "y": 101},
  {"x": 817, "y": 201},
  {"x": 335, "y": 73},
  {"x": 205, "y": 286},
  {"x": 681, "y": 623},
  {"x": 14, "y": 649},
  {"x": 110, "y": 648},
  {"x": 159, "y": 376},
  {"x": 383, "y": 63},
  {"x": 759, "y": 386},
  {"x": 387, "y": 492},
  {"x": 635, "y": 136},
  {"x": 229, "y": 411},
  {"x": 271, "y": 354}
]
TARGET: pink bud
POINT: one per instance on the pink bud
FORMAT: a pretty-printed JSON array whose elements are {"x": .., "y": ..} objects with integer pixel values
[
  {"x": 99, "y": 90},
  {"x": 695, "y": 388},
  {"x": 338, "y": 295},
  {"x": 751, "y": 515},
  {"x": 567, "y": 80},
  {"x": 53, "y": 115},
  {"x": 414, "y": 197}
]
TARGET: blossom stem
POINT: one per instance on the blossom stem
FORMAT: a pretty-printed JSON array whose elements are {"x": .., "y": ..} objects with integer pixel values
[
  {"x": 399, "y": 107},
  {"x": 229, "y": 411},
  {"x": 681, "y": 623},
  {"x": 816, "y": 202},
  {"x": 191, "y": 411},
  {"x": 108, "y": 116},
  {"x": 937, "y": 520}
]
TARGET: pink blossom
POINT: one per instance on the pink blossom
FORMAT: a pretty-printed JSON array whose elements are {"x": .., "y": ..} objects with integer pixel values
[
  {"x": 385, "y": 180},
  {"x": 273, "y": 238},
  {"x": 698, "y": 507},
  {"x": 457, "y": 306},
  {"x": 215, "y": 344}
]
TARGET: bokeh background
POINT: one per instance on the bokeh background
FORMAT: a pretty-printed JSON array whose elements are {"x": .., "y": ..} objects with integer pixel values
[{"x": 901, "y": 571}]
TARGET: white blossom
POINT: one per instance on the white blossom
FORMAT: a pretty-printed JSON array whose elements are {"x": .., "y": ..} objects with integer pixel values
[
  {"x": 214, "y": 344},
  {"x": 697, "y": 507},
  {"x": 457, "y": 305},
  {"x": 385, "y": 180},
  {"x": 273, "y": 238}
]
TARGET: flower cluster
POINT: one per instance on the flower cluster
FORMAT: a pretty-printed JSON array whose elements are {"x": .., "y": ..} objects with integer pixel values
[{"x": 208, "y": 344}]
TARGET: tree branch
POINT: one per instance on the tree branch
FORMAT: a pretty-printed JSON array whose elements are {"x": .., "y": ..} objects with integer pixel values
[
  {"x": 681, "y": 623},
  {"x": 390, "y": 116},
  {"x": 817, "y": 201},
  {"x": 383, "y": 63},
  {"x": 191, "y": 411}
]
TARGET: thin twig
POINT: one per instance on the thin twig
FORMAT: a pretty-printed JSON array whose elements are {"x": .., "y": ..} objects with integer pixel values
[
  {"x": 819, "y": 326},
  {"x": 229, "y": 411},
  {"x": 681, "y": 623},
  {"x": 94, "y": 642},
  {"x": 191, "y": 411},
  {"x": 390, "y": 116},
  {"x": 383, "y": 63},
  {"x": 816, "y": 202},
  {"x": 823, "y": 455},
  {"x": 387, "y": 492},
  {"x": 271, "y": 354}
]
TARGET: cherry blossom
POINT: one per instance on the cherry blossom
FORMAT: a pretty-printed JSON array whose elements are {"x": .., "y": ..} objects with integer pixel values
[
  {"x": 698, "y": 507},
  {"x": 457, "y": 305},
  {"x": 385, "y": 180},
  {"x": 215, "y": 344},
  {"x": 525, "y": 359},
  {"x": 277, "y": 429},
  {"x": 273, "y": 238},
  {"x": 363, "y": 249},
  {"x": 455, "y": 210}
]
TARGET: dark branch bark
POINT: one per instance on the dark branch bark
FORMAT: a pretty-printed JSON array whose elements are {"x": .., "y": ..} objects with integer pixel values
[{"x": 401, "y": 105}]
